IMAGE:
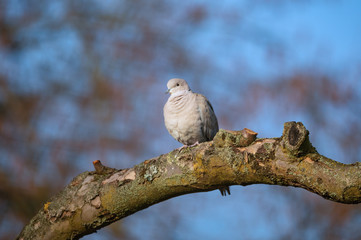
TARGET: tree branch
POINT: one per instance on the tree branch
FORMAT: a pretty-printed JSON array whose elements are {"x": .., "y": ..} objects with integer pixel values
[{"x": 95, "y": 199}]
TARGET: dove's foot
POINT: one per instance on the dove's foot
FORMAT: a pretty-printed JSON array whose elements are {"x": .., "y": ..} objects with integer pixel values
[
  {"x": 187, "y": 146},
  {"x": 182, "y": 147},
  {"x": 194, "y": 144}
]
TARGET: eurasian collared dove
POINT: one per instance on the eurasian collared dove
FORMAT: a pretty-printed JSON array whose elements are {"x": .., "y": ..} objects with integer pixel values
[{"x": 189, "y": 117}]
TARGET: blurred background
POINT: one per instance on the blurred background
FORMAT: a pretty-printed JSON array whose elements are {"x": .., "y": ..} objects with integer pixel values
[{"x": 85, "y": 80}]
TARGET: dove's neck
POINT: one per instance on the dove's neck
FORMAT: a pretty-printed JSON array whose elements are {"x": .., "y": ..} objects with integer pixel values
[
  {"x": 183, "y": 93},
  {"x": 178, "y": 99}
]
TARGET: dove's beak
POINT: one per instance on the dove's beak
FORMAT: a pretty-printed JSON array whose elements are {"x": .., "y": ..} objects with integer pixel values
[{"x": 168, "y": 91}]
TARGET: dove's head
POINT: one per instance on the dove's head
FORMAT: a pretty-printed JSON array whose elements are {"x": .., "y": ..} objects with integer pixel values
[{"x": 177, "y": 85}]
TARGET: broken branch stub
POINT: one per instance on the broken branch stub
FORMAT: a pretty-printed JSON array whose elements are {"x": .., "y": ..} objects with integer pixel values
[{"x": 295, "y": 139}]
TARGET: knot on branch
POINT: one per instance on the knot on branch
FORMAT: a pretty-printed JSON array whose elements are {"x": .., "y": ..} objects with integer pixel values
[
  {"x": 295, "y": 139},
  {"x": 101, "y": 169},
  {"x": 241, "y": 138}
]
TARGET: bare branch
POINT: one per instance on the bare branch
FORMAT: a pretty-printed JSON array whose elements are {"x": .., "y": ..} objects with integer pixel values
[{"x": 95, "y": 199}]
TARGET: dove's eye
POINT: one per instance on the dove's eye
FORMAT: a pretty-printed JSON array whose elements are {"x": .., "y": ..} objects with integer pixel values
[{"x": 177, "y": 84}]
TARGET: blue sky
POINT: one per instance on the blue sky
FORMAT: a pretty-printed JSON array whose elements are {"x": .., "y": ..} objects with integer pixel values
[{"x": 326, "y": 33}]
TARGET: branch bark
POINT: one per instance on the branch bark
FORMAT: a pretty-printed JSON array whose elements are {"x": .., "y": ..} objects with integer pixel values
[{"x": 95, "y": 199}]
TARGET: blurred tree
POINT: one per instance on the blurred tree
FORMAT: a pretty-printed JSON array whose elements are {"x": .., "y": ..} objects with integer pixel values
[
  {"x": 74, "y": 77},
  {"x": 71, "y": 91}
]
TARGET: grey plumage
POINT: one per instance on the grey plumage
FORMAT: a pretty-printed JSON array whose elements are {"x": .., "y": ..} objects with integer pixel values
[{"x": 189, "y": 117}]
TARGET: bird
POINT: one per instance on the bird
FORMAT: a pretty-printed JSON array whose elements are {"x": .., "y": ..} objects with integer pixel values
[{"x": 189, "y": 117}]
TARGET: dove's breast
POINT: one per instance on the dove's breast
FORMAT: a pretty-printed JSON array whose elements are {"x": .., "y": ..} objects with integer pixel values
[{"x": 183, "y": 119}]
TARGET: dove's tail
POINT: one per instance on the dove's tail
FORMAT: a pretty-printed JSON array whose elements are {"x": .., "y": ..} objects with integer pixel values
[{"x": 225, "y": 190}]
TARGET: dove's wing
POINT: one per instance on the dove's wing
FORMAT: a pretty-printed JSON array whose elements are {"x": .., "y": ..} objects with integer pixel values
[{"x": 208, "y": 118}]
